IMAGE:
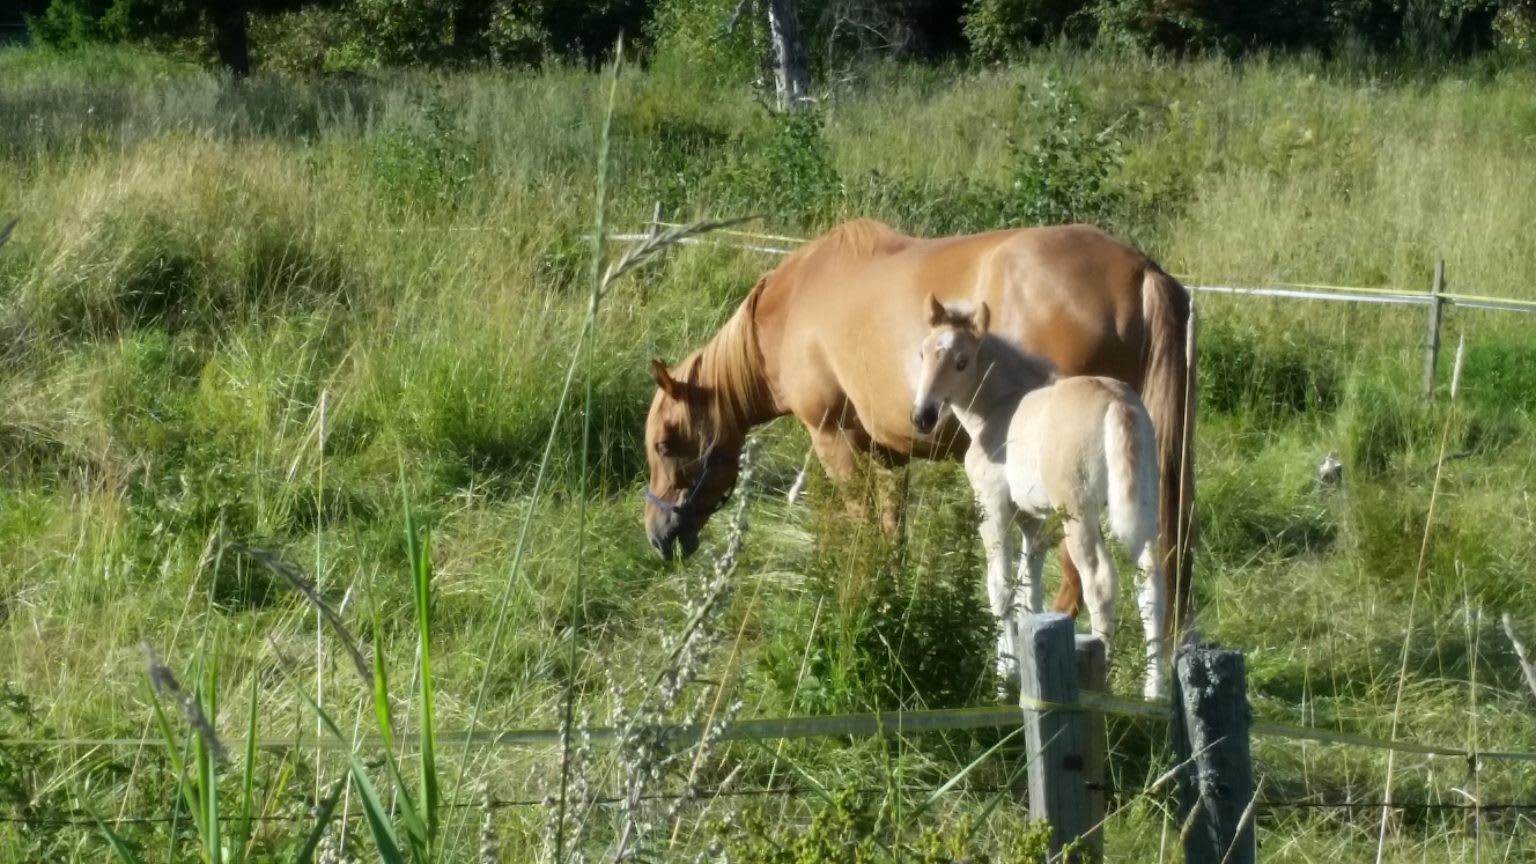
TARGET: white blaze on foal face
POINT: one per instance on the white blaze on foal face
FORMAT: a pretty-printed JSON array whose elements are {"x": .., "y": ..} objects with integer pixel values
[{"x": 947, "y": 355}]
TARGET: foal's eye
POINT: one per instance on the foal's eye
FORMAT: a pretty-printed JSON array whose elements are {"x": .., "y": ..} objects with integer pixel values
[{"x": 960, "y": 363}]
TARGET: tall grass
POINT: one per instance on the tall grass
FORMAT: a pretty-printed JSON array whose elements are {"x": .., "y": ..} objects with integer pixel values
[{"x": 197, "y": 269}]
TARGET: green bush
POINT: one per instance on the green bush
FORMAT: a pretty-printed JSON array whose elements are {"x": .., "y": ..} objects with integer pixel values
[
  {"x": 424, "y": 164},
  {"x": 690, "y": 34},
  {"x": 787, "y": 173},
  {"x": 1000, "y": 30},
  {"x": 1067, "y": 174}
]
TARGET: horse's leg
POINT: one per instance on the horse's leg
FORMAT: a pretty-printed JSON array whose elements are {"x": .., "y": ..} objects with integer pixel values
[
  {"x": 1069, "y": 597},
  {"x": 1151, "y": 599},
  {"x": 837, "y": 452},
  {"x": 1085, "y": 543},
  {"x": 891, "y": 487}
]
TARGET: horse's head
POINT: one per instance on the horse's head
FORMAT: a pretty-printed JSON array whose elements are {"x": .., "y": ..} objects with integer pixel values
[
  {"x": 947, "y": 359},
  {"x": 693, "y": 462}
]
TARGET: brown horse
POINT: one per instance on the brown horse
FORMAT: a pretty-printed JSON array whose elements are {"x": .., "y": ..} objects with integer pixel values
[{"x": 831, "y": 336}]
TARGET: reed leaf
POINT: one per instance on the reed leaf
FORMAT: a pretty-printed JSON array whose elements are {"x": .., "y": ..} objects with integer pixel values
[{"x": 421, "y": 570}]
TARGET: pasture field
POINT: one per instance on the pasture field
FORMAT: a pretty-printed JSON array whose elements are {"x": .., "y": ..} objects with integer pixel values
[{"x": 282, "y": 314}]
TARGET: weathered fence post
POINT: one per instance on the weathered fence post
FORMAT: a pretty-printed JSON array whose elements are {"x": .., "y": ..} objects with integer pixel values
[
  {"x": 1058, "y": 787},
  {"x": 1432, "y": 345},
  {"x": 1210, "y": 732},
  {"x": 1093, "y": 675},
  {"x": 656, "y": 220}
]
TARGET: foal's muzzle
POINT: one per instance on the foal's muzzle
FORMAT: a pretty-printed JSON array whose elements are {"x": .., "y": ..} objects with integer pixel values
[{"x": 925, "y": 417}]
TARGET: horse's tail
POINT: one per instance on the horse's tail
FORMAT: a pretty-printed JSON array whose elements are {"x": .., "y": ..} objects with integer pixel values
[
  {"x": 1169, "y": 394},
  {"x": 1130, "y": 453}
]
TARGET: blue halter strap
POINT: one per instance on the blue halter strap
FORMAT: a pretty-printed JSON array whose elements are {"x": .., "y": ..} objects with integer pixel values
[{"x": 685, "y": 506}]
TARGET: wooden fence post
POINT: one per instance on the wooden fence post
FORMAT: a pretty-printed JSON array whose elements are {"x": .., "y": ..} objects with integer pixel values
[
  {"x": 1093, "y": 675},
  {"x": 1210, "y": 731},
  {"x": 1432, "y": 344},
  {"x": 1058, "y": 787}
]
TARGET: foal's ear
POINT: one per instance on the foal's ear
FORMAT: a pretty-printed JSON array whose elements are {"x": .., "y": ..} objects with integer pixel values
[
  {"x": 664, "y": 379},
  {"x": 982, "y": 318},
  {"x": 937, "y": 314}
]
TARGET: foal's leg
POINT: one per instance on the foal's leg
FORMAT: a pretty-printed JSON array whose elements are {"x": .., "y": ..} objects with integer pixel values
[
  {"x": 997, "y": 517},
  {"x": 1085, "y": 542},
  {"x": 1031, "y": 563},
  {"x": 1152, "y": 600}
]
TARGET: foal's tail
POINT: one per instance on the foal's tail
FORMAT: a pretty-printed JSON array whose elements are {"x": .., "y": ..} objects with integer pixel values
[
  {"x": 1169, "y": 394},
  {"x": 1130, "y": 460}
]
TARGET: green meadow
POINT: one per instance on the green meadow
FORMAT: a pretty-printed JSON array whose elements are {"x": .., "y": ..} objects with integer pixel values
[{"x": 345, "y": 320}]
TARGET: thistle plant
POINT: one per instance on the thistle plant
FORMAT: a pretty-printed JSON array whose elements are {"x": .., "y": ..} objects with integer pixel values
[{"x": 665, "y": 726}]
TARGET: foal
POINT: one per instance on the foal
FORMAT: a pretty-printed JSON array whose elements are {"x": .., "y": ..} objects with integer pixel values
[{"x": 1039, "y": 443}]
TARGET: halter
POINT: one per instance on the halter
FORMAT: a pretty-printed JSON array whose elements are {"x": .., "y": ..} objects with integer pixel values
[{"x": 685, "y": 506}]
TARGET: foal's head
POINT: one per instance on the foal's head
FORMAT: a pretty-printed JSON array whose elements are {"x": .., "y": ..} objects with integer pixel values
[{"x": 948, "y": 360}]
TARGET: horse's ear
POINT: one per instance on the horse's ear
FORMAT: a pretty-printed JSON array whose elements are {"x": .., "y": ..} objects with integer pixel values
[
  {"x": 937, "y": 314},
  {"x": 693, "y": 371},
  {"x": 664, "y": 379},
  {"x": 982, "y": 318}
]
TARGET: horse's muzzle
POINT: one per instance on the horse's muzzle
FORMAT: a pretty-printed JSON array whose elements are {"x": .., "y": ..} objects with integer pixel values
[
  {"x": 666, "y": 534},
  {"x": 925, "y": 417}
]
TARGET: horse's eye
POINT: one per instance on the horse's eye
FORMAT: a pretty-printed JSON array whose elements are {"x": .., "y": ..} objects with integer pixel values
[{"x": 960, "y": 363}]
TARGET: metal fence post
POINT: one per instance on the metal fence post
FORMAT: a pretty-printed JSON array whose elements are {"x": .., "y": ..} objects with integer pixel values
[
  {"x": 1058, "y": 787},
  {"x": 1432, "y": 343},
  {"x": 1210, "y": 732}
]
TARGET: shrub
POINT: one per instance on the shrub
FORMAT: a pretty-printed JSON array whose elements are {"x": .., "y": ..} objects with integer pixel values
[
  {"x": 999, "y": 30},
  {"x": 1066, "y": 175},
  {"x": 786, "y": 172},
  {"x": 424, "y": 165},
  {"x": 691, "y": 34}
]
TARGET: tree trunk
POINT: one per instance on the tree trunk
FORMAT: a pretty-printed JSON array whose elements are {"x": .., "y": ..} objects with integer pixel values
[
  {"x": 791, "y": 80},
  {"x": 230, "y": 38}
]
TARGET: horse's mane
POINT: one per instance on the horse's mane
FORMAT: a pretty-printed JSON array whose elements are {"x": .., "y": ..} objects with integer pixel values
[
  {"x": 731, "y": 370},
  {"x": 853, "y": 240},
  {"x": 856, "y": 238}
]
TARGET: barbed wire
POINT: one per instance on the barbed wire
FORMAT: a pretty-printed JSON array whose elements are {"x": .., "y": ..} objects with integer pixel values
[{"x": 1492, "y": 807}]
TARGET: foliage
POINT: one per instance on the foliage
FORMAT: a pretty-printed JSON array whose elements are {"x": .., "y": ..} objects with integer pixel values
[
  {"x": 1067, "y": 174},
  {"x": 846, "y": 827},
  {"x": 788, "y": 172},
  {"x": 236, "y": 309},
  {"x": 697, "y": 36},
  {"x": 426, "y": 164},
  {"x": 997, "y": 30}
]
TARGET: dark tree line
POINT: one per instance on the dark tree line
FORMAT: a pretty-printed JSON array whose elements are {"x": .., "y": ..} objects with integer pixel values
[{"x": 530, "y": 31}]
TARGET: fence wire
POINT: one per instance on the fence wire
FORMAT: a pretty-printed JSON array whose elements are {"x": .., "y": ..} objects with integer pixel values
[
  {"x": 1489, "y": 808},
  {"x": 1295, "y": 290}
]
